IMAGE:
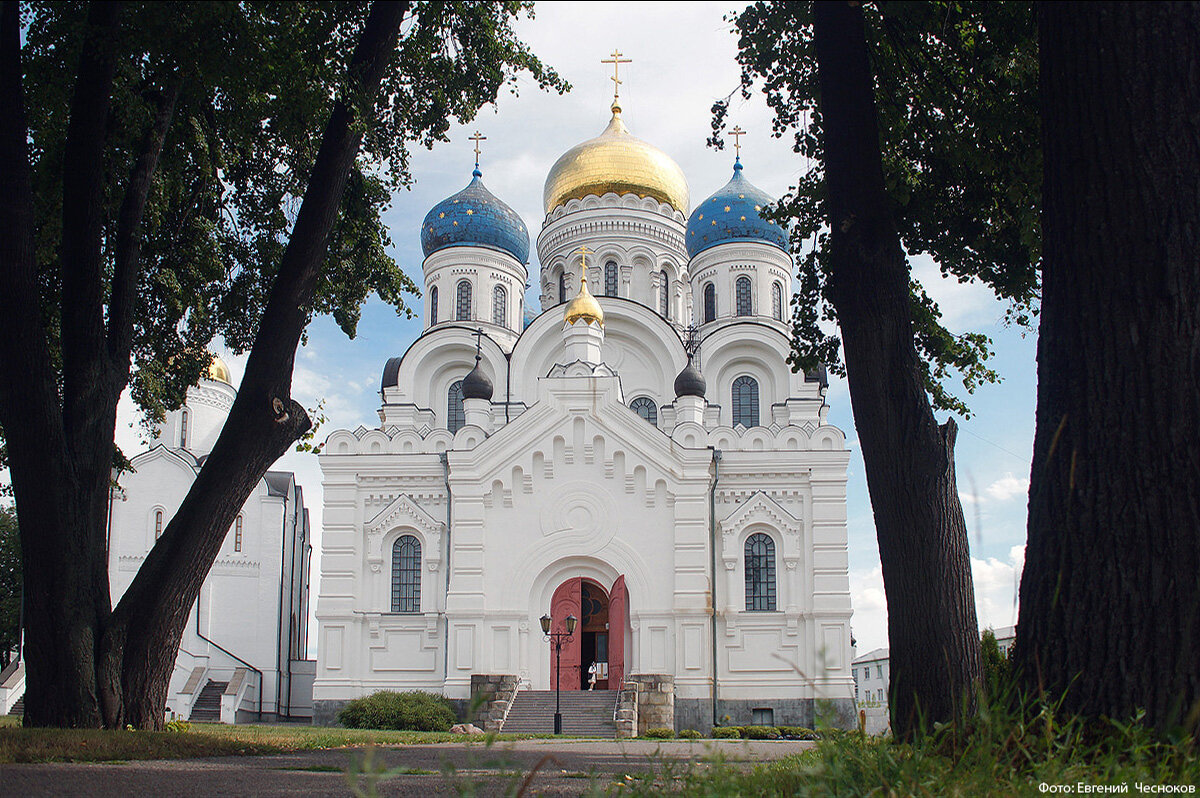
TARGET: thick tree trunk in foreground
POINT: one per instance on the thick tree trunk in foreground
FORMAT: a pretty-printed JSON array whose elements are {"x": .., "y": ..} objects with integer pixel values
[
  {"x": 932, "y": 630},
  {"x": 88, "y": 666},
  {"x": 1110, "y": 596}
]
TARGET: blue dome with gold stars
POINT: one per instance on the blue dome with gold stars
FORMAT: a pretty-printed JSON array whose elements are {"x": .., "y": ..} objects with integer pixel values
[
  {"x": 732, "y": 215},
  {"x": 474, "y": 217}
]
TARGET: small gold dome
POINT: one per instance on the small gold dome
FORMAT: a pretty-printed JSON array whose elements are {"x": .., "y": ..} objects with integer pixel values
[
  {"x": 584, "y": 306},
  {"x": 218, "y": 371},
  {"x": 618, "y": 162}
]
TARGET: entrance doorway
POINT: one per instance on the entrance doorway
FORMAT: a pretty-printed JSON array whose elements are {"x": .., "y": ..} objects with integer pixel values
[{"x": 598, "y": 645}]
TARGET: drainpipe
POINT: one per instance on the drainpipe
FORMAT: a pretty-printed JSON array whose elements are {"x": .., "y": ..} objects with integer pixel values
[
  {"x": 445, "y": 459},
  {"x": 279, "y": 612},
  {"x": 712, "y": 544}
]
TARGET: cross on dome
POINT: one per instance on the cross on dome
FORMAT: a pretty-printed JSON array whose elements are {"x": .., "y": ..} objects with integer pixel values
[
  {"x": 616, "y": 61},
  {"x": 737, "y": 134},
  {"x": 477, "y": 138}
]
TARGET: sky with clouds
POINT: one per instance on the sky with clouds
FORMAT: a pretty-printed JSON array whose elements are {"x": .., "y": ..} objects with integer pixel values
[{"x": 682, "y": 61}]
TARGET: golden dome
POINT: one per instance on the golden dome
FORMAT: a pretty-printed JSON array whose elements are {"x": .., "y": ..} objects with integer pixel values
[
  {"x": 618, "y": 162},
  {"x": 218, "y": 371},
  {"x": 584, "y": 306}
]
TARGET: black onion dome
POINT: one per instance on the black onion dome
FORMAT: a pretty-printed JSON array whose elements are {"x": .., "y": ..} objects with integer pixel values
[
  {"x": 690, "y": 381},
  {"x": 391, "y": 373},
  {"x": 476, "y": 384}
]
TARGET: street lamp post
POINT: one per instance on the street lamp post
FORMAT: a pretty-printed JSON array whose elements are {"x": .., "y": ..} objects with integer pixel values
[{"x": 558, "y": 638}]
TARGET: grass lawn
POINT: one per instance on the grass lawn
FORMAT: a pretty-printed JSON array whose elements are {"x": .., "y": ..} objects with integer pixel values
[{"x": 203, "y": 739}]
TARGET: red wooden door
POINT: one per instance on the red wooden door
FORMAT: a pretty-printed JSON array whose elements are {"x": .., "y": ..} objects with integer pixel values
[
  {"x": 618, "y": 620},
  {"x": 567, "y": 601}
]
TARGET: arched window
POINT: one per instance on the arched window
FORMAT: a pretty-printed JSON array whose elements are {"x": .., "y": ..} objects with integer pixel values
[
  {"x": 158, "y": 524},
  {"x": 745, "y": 402},
  {"x": 645, "y": 407},
  {"x": 462, "y": 307},
  {"x": 710, "y": 302},
  {"x": 760, "y": 573},
  {"x": 183, "y": 425},
  {"x": 610, "y": 278},
  {"x": 406, "y": 574},
  {"x": 499, "y": 306},
  {"x": 433, "y": 306},
  {"x": 743, "y": 296},
  {"x": 777, "y": 300},
  {"x": 562, "y": 287},
  {"x": 455, "y": 417},
  {"x": 664, "y": 297},
  {"x": 237, "y": 534}
]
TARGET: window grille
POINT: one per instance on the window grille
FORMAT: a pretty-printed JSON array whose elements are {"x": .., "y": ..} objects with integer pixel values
[
  {"x": 406, "y": 574},
  {"x": 499, "y": 306},
  {"x": 462, "y": 308},
  {"x": 645, "y": 407},
  {"x": 777, "y": 301},
  {"x": 664, "y": 298},
  {"x": 237, "y": 534},
  {"x": 745, "y": 402},
  {"x": 455, "y": 415},
  {"x": 710, "y": 303},
  {"x": 760, "y": 573},
  {"x": 743, "y": 296},
  {"x": 433, "y": 306},
  {"x": 610, "y": 278}
]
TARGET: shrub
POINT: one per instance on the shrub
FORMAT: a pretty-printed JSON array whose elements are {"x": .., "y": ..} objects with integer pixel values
[
  {"x": 797, "y": 733},
  {"x": 726, "y": 732},
  {"x": 413, "y": 711},
  {"x": 690, "y": 734},
  {"x": 177, "y": 725},
  {"x": 660, "y": 734},
  {"x": 760, "y": 732}
]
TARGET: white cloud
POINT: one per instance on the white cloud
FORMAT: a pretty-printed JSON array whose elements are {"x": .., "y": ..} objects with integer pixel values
[{"x": 1008, "y": 487}]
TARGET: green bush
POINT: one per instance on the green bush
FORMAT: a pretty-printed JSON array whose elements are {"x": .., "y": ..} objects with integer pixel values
[
  {"x": 177, "y": 725},
  {"x": 726, "y": 732},
  {"x": 414, "y": 711},
  {"x": 690, "y": 734},
  {"x": 660, "y": 734},
  {"x": 797, "y": 732},
  {"x": 760, "y": 732}
]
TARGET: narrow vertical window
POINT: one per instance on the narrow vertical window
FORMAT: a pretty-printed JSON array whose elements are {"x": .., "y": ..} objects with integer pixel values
[
  {"x": 664, "y": 297},
  {"x": 777, "y": 300},
  {"x": 610, "y": 278},
  {"x": 433, "y": 306},
  {"x": 745, "y": 402},
  {"x": 158, "y": 524},
  {"x": 760, "y": 573},
  {"x": 455, "y": 416},
  {"x": 237, "y": 534},
  {"x": 562, "y": 287},
  {"x": 499, "y": 306},
  {"x": 183, "y": 425},
  {"x": 645, "y": 407},
  {"x": 710, "y": 302},
  {"x": 743, "y": 296},
  {"x": 462, "y": 307},
  {"x": 406, "y": 574}
]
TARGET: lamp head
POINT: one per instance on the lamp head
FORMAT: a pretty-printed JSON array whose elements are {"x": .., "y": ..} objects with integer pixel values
[
  {"x": 571, "y": 621},
  {"x": 545, "y": 624}
]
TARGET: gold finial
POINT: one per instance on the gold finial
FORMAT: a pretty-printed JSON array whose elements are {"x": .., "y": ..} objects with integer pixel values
[
  {"x": 477, "y": 138},
  {"x": 584, "y": 306},
  {"x": 737, "y": 134},
  {"x": 616, "y": 61}
]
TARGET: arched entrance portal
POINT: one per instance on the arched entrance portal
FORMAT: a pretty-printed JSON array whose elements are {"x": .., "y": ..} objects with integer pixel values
[{"x": 599, "y": 638}]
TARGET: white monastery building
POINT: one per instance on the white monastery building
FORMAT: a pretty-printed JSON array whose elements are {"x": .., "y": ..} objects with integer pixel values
[
  {"x": 242, "y": 656},
  {"x": 638, "y": 455}
]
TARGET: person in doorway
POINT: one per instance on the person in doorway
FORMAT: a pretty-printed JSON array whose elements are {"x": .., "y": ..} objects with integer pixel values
[{"x": 592, "y": 676}]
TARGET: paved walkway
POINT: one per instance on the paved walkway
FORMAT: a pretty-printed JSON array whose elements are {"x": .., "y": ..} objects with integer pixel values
[{"x": 564, "y": 768}]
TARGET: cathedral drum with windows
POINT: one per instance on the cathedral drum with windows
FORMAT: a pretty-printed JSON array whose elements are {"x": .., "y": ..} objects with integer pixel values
[{"x": 638, "y": 455}]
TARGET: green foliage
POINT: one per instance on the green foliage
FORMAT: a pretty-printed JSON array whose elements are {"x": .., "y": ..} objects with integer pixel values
[
  {"x": 256, "y": 83},
  {"x": 689, "y": 734},
  {"x": 956, "y": 91},
  {"x": 177, "y": 725},
  {"x": 997, "y": 668},
  {"x": 661, "y": 733},
  {"x": 386, "y": 709},
  {"x": 797, "y": 732},
  {"x": 760, "y": 733},
  {"x": 726, "y": 732},
  {"x": 10, "y": 584}
]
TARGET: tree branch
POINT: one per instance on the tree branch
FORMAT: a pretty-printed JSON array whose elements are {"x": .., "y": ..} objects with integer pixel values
[{"x": 128, "y": 246}]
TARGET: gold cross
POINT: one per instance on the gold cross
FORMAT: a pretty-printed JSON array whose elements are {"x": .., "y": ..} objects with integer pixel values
[
  {"x": 477, "y": 138},
  {"x": 737, "y": 133},
  {"x": 583, "y": 250},
  {"x": 616, "y": 61}
]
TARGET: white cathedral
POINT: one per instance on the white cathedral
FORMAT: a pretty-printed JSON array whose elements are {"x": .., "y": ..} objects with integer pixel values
[{"x": 638, "y": 455}]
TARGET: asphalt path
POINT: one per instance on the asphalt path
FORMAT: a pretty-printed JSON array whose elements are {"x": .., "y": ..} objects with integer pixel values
[{"x": 542, "y": 767}]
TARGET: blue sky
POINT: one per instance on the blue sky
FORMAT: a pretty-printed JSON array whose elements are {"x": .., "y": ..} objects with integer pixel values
[{"x": 683, "y": 60}]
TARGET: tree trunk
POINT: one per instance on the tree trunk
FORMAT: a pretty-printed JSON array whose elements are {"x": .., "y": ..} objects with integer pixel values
[
  {"x": 1110, "y": 596},
  {"x": 932, "y": 630},
  {"x": 88, "y": 666}
]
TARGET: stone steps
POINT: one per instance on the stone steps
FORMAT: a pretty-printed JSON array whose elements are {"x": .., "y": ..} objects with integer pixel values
[
  {"x": 207, "y": 708},
  {"x": 584, "y": 713}
]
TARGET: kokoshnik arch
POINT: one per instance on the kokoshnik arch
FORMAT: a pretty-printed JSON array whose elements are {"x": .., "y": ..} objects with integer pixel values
[{"x": 638, "y": 454}]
